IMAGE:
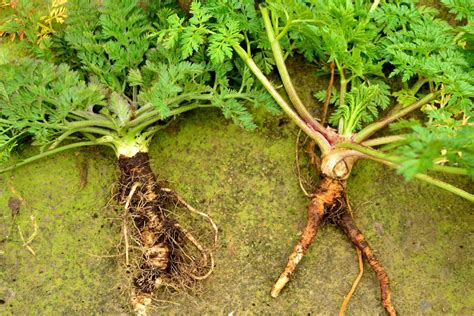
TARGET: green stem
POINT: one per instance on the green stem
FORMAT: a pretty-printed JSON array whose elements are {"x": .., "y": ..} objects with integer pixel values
[
  {"x": 449, "y": 169},
  {"x": 285, "y": 76},
  {"x": 390, "y": 161},
  {"x": 182, "y": 97},
  {"x": 49, "y": 153},
  {"x": 342, "y": 95},
  {"x": 93, "y": 130},
  {"x": 81, "y": 115},
  {"x": 446, "y": 186},
  {"x": 374, "y": 6},
  {"x": 367, "y": 151},
  {"x": 89, "y": 123},
  {"x": 154, "y": 117},
  {"x": 374, "y": 127},
  {"x": 284, "y": 30},
  {"x": 143, "y": 117},
  {"x": 384, "y": 140},
  {"x": 315, "y": 135},
  {"x": 417, "y": 86},
  {"x": 379, "y": 156}
]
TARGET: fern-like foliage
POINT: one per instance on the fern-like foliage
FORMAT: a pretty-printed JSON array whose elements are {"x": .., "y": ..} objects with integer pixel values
[
  {"x": 111, "y": 42},
  {"x": 210, "y": 33},
  {"x": 424, "y": 50},
  {"x": 463, "y": 9},
  {"x": 110, "y": 79},
  {"x": 362, "y": 105},
  {"x": 37, "y": 99},
  {"x": 388, "y": 54}
]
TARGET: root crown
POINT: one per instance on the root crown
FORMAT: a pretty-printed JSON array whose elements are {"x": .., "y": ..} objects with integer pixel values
[{"x": 329, "y": 202}]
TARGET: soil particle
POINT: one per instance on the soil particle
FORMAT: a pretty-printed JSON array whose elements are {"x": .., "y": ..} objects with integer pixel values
[
  {"x": 14, "y": 204},
  {"x": 379, "y": 228}
]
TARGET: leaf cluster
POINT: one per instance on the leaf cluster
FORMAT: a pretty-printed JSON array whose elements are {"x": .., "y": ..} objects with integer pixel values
[
  {"x": 32, "y": 23},
  {"x": 398, "y": 49},
  {"x": 110, "y": 79},
  {"x": 36, "y": 99},
  {"x": 210, "y": 33}
]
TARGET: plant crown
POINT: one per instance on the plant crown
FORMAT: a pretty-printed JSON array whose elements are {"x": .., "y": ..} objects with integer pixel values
[{"x": 390, "y": 59}]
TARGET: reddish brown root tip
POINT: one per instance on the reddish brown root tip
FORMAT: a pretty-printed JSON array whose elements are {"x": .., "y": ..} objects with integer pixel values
[
  {"x": 327, "y": 194},
  {"x": 346, "y": 223}
]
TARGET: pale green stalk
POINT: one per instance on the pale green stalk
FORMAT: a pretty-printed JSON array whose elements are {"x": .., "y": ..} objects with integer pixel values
[
  {"x": 383, "y": 140},
  {"x": 51, "y": 152},
  {"x": 370, "y": 129},
  {"x": 91, "y": 130},
  {"x": 320, "y": 140},
  {"x": 285, "y": 76},
  {"x": 392, "y": 162},
  {"x": 153, "y": 117}
]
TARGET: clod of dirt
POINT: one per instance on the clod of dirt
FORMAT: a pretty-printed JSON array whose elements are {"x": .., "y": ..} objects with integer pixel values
[{"x": 14, "y": 204}]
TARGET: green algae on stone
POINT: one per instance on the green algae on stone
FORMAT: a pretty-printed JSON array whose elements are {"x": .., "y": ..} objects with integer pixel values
[
  {"x": 247, "y": 183},
  {"x": 70, "y": 272}
]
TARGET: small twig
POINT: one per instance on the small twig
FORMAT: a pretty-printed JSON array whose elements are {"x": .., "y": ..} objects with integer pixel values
[
  {"x": 204, "y": 252},
  {"x": 193, "y": 210},
  {"x": 83, "y": 173},
  {"x": 328, "y": 94},
  {"x": 130, "y": 195},
  {"x": 298, "y": 170},
  {"x": 314, "y": 160},
  {"x": 26, "y": 243},
  {"x": 348, "y": 297},
  {"x": 102, "y": 256},
  {"x": 154, "y": 300},
  {"x": 16, "y": 193},
  {"x": 124, "y": 225}
]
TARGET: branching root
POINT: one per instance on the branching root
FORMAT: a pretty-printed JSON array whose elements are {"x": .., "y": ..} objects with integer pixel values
[
  {"x": 328, "y": 195},
  {"x": 159, "y": 252},
  {"x": 329, "y": 202},
  {"x": 346, "y": 223}
]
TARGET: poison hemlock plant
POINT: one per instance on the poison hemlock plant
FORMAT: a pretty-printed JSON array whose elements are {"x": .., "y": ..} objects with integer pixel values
[
  {"x": 372, "y": 48},
  {"x": 31, "y": 21},
  {"x": 106, "y": 82}
]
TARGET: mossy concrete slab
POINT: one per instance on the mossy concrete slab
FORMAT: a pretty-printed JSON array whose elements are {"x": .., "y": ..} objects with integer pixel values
[{"x": 247, "y": 182}]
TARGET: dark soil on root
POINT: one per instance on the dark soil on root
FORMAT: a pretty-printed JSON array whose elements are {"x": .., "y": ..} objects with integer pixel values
[
  {"x": 159, "y": 253},
  {"x": 328, "y": 204}
]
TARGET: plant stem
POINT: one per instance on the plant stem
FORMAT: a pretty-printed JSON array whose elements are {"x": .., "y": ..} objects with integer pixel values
[
  {"x": 383, "y": 140},
  {"x": 417, "y": 86},
  {"x": 153, "y": 117},
  {"x": 328, "y": 95},
  {"x": 446, "y": 186},
  {"x": 367, "y": 152},
  {"x": 315, "y": 135},
  {"x": 449, "y": 169},
  {"x": 374, "y": 127},
  {"x": 392, "y": 161},
  {"x": 396, "y": 160},
  {"x": 285, "y": 76},
  {"x": 182, "y": 97},
  {"x": 280, "y": 35},
  {"x": 342, "y": 95},
  {"x": 93, "y": 130},
  {"x": 90, "y": 123},
  {"x": 49, "y": 153},
  {"x": 143, "y": 117},
  {"x": 374, "y": 6},
  {"x": 87, "y": 115}
]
